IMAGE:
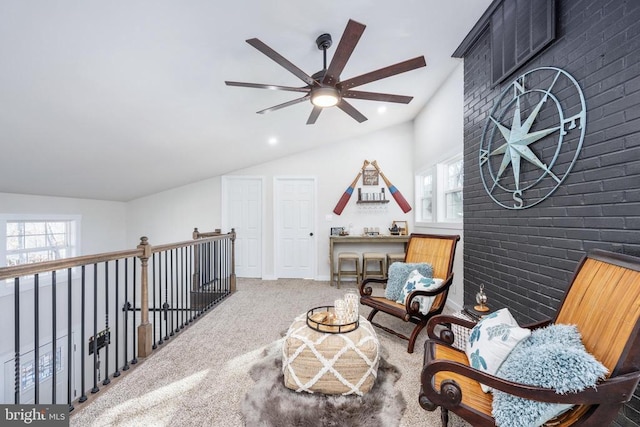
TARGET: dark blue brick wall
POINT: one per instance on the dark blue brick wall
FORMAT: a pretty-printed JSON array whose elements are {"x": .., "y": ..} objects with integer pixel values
[{"x": 525, "y": 258}]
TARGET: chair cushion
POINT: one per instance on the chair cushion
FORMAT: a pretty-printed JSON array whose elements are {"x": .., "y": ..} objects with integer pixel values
[
  {"x": 417, "y": 281},
  {"x": 398, "y": 274},
  {"x": 491, "y": 341},
  {"x": 552, "y": 357}
]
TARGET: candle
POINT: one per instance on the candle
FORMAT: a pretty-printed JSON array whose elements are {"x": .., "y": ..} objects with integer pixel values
[
  {"x": 352, "y": 300},
  {"x": 340, "y": 310}
]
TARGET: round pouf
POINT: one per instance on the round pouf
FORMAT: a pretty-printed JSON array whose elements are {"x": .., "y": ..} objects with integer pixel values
[{"x": 345, "y": 363}]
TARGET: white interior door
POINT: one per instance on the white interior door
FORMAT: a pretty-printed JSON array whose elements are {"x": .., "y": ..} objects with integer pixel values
[
  {"x": 295, "y": 201},
  {"x": 242, "y": 210}
]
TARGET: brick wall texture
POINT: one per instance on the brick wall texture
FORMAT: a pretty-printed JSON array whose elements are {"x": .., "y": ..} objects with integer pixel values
[{"x": 525, "y": 258}]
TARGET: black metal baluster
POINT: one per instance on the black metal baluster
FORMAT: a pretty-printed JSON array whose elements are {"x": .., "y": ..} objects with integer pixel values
[
  {"x": 176, "y": 291},
  {"x": 107, "y": 342},
  {"x": 133, "y": 323},
  {"x": 116, "y": 374},
  {"x": 54, "y": 337},
  {"x": 165, "y": 306},
  {"x": 227, "y": 264},
  {"x": 16, "y": 338},
  {"x": 205, "y": 278},
  {"x": 160, "y": 340},
  {"x": 216, "y": 259},
  {"x": 126, "y": 315},
  {"x": 200, "y": 283},
  {"x": 153, "y": 290},
  {"x": 36, "y": 335},
  {"x": 83, "y": 397},
  {"x": 191, "y": 284},
  {"x": 173, "y": 301},
  {"x": 182, "y": 289},
  {"x": 70, "y": 352},
  {"x": 94, "y": 343}
]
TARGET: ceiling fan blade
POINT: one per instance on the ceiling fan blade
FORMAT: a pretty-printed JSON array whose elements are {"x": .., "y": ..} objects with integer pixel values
[
  {"x": 271, "y": 87},
  {"x": 314, "y": 115},
  {"x": 350, "y": 110},
  {"x": 286, "y": 104},
  {"x": 391, "y": 70},
  {"x": 347, "y": 44},
  {"x": 282, "y": 61},
  {"x": 374, "y": 96}
]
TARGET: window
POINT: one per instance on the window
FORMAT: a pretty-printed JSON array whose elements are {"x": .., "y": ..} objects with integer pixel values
[
  {"x": 439, "y": 192},
  {"x": 424, "y": 185},
  {"x": 453, "y": 190},
  {"x": 27, "y": 240},
  {"x": 45, "y": 369},
  {"x": 37, "y": 241}
]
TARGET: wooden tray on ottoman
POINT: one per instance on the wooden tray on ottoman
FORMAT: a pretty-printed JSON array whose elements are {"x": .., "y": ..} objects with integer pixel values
[{"x": 317, "y": 321}]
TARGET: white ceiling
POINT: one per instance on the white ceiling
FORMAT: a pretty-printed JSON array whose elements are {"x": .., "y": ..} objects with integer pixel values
[{"x": 120, "y": 99}]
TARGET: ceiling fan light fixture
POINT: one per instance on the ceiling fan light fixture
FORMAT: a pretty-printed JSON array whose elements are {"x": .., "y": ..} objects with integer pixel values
[{"x": 325, "y": 97}]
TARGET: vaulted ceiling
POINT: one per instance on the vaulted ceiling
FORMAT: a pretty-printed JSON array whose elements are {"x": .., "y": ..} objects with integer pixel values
[{"x": 117, "y": 100}]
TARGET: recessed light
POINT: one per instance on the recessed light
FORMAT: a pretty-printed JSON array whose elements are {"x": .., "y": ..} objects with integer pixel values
[
  {"x": 273, "y": 140},
  {"x": 382, "y": 109}
]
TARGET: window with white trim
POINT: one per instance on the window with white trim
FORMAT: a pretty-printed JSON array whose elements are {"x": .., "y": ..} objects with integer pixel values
[
  {"x": 452, "y": 191},
  {"x": 424, "y": 196},
  {"x": 29, "y": 239},
  {"x": 439, "y": 192}
]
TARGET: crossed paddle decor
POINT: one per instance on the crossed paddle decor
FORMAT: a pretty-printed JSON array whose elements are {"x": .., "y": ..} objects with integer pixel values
[{"x": 397, "y": 195}]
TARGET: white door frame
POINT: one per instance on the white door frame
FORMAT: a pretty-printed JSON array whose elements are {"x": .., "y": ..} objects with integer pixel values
[
  {"x": 277, "y": 214},
  {"x": 223, "y": 207}
]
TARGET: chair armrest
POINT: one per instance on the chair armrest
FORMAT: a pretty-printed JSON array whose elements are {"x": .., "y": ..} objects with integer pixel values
[
  {"x": 614, "y": 390},
  {"x": 446, "y": 334},
  {"x": 412, "y": 306},
  {"x": 367, "y": 290}
]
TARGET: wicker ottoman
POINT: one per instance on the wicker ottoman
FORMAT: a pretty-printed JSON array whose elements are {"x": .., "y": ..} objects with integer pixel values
[{"x": 314, "y": 361}]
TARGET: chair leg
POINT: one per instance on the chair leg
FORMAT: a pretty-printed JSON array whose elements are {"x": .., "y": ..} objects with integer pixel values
[
  {"x": 414, "y": 335},
  {"x": 444, "y": 416},
  {"x": 373, "y": 313}
]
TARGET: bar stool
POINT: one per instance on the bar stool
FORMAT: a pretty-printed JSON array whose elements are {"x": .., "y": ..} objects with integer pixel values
[
  {"x": 374, "y": 257},
  {"x": 348, "y": 257},
  {"x": 394, "y": 257}
]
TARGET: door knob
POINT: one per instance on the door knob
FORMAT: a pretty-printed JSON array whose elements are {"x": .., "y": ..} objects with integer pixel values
[{"x": 310, "y": 234}]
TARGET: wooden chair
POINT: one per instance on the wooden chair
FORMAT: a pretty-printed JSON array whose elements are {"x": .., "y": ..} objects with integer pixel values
[
  {"x": 603, "y": 300},
  {"x": 437, "y": 250}
]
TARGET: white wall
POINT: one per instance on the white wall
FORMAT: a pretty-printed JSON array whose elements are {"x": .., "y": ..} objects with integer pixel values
[
  {"x": 439, "y": 135},
  {"x": 171, "y": 215},
  {"x": 103, "y": 224}
]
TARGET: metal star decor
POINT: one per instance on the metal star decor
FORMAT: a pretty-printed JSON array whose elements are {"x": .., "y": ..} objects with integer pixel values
[{"x": 514, "y": 143}]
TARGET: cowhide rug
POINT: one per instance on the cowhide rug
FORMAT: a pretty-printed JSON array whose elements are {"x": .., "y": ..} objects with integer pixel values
[{"x": 270, "y": 404}]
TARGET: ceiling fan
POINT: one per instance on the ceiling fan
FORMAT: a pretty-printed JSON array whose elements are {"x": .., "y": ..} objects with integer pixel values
[{"x": 324, "y": 88}]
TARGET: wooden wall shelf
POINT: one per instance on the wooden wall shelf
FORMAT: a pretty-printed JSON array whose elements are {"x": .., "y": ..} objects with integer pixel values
[{"x": 372, "y": 201}]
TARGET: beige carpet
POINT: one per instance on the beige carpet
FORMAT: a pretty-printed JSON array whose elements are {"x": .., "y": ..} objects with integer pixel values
[{"x": 200, "y": 377}]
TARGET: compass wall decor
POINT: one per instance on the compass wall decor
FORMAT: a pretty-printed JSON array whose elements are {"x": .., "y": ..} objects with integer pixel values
[{"x": 532, "y": 137}]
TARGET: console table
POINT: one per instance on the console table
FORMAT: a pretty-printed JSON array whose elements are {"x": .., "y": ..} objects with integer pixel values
[{"x": 369, "y": 240}]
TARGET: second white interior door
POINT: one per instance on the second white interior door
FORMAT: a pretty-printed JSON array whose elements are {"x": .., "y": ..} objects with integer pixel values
[{"x": 294, "y": 202}]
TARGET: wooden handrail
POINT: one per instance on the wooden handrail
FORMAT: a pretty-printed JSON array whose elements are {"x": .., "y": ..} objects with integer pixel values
[{"x": 61, "y": 264}]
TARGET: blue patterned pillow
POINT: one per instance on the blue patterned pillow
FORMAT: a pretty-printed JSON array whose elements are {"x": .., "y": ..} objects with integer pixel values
[
  {"x": 398, "y": 274},
  {"x": 417, "y": 281},
  {"x": 491, "y": 341},
  {"x": 553, "y": 357}
]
